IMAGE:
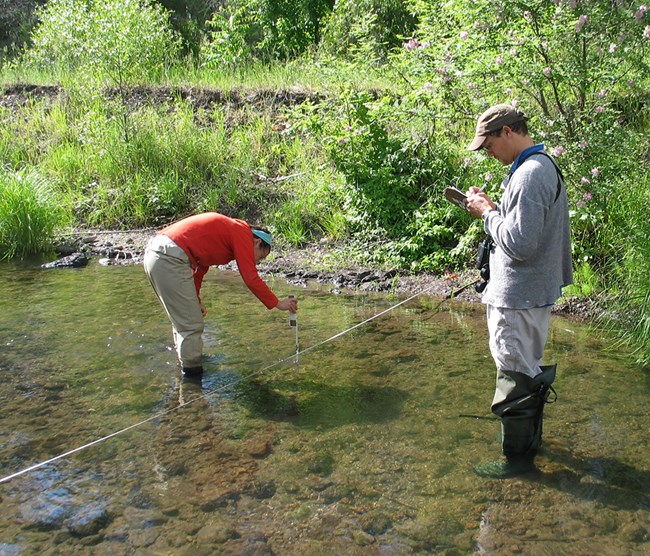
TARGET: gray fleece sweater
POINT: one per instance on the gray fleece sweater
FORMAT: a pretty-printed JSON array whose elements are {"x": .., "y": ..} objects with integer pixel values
[{"x": 531, "y": 260}]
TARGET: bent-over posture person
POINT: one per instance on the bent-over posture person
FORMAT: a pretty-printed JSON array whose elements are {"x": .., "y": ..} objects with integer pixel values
[
  {"x": 178, "y": 257},
  {"x": 530, "y": 262}
]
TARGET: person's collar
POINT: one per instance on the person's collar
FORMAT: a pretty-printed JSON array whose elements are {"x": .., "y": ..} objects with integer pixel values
[{"x": 523, "y": 155}]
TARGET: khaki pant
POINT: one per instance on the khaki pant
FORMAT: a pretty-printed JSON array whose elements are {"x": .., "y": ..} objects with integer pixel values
[
  {"x": 517, "y": 338},
  {"x": 170, "y": 274}
]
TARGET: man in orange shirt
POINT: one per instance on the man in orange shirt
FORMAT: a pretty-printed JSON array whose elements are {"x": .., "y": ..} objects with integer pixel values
[{"x": 178, "y": 257}]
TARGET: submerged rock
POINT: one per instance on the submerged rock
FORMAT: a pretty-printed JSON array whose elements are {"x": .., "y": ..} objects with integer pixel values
[
  {"x": 88, "y": 522},
  {"x": 42, "y": 514}
]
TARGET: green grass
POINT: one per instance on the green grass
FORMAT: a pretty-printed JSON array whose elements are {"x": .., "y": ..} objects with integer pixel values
[{"x": 30, "y": 212}]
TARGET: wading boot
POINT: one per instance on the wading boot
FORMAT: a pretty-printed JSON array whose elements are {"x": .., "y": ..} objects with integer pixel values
[
  {"x": 194, "y": 373},
  {"x": 519, "y": 401}
]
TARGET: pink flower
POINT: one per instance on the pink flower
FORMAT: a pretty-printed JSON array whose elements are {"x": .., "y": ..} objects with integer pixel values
[
  {"x": 508, "y": 91},
  {"x": 428, "y": 86},
  {"x": 641, "y": 12},
  {"x": 587, "y": 196},
  {"x": 602, "y": 93},
  {"x": 558, "y": 151},
  {"x": 583, "y": 144},
  {"x": 464, "y": 35},
  {"x": 582, "y": 21},
  {"x": 499, "y": 60},
  {"x": 580, "y": 204},
  {"x": 546, "y": 71},
  {"x": 600, "y": 109},
  {"x": 584, "y": 180},
  {"x": 595, "y": 172},
  {"x": 612, "y": 48},
  {"x": 488, "y": 176},
  {"x": 646, "y": 32},
  {"x": 411, "y": 45}
]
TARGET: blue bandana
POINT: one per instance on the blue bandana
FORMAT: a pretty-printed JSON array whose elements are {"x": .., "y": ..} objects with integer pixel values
[{"x": 264, "y": 236}]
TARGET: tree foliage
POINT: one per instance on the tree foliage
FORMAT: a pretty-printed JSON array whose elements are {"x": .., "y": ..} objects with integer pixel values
[{"x": 120, "y": 41}]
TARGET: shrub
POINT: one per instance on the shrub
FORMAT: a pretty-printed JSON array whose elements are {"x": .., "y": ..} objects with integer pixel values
[{"x": 114, "y": 41}]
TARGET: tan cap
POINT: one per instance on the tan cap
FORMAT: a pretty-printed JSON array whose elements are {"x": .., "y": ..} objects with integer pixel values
[{"x": 493, "y": 119}]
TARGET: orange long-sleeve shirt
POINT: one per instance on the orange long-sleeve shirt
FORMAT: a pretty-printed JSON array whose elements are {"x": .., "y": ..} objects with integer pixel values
[{"x": 214, "y": 239}]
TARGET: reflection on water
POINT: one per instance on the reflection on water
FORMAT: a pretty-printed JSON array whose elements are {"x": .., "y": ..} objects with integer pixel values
[{"x": 364, "y": 445}]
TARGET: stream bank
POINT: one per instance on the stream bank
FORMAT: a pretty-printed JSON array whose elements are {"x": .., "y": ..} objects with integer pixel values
[{"x": 313, "y": 262}]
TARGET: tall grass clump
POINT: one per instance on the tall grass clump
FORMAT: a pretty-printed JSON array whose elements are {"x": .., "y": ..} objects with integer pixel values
[
  {"x": 30, "y": 213},
  {"x": 626, "y": 303}
]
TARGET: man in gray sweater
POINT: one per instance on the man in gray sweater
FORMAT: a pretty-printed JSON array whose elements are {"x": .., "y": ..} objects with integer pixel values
[{"x": 529, "y": 263}]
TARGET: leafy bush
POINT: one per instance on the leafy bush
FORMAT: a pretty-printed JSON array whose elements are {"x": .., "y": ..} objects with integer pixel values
[
  {"x": 115, "y": 41},
  {"x": 246, "y": 30},
  {"x": 369, "y": 26}
]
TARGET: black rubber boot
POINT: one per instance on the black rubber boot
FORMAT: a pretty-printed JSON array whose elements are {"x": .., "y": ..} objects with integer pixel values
[
  {"x": 543, "y": 383},
  {"x": 192, "y": 372},
  {"x": 519, "y": 401}
]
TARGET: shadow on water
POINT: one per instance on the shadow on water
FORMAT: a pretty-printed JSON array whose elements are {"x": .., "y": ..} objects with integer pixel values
[
  {"x": 316, "y": 404},
  {"x": 598, "y": 478}
]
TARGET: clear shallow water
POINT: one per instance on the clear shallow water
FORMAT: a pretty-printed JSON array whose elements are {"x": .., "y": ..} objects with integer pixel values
[{"x": 364, "y": 445}]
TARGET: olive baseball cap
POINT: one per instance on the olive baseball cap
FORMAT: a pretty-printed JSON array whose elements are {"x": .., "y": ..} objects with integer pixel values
[{"x": 493, "y": 119}]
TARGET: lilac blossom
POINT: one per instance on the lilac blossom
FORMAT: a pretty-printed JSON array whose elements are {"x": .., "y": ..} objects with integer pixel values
[
  {"x": 587, "y": 196},
  {"x": 428, "y": 86},
  {"x": 595, "y": 172},
  {"x": 584, "y": 180},
  {"x": 558, "y": 151},
  {"x": 414, "y": 44},
  {"x": 582, "y": 20}
]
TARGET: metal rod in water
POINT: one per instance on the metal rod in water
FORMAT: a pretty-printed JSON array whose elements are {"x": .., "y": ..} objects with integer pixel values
[{"x": 293, "y": 321}]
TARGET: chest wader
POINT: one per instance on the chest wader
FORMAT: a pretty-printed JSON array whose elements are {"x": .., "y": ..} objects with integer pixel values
[{"x": 519, "y": 400}]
